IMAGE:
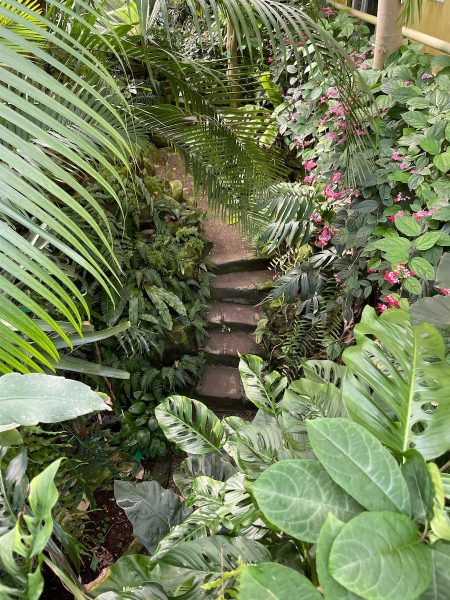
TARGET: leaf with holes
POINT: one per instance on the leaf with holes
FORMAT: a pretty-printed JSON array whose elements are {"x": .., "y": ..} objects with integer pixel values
[
  {"x": 190, "y": 425},
  {"x": 360, "y": 464},
  {"x": 297, "y": 495},
  {"x": 379, "y": 555},
  {"x": 397, "y": 383}
]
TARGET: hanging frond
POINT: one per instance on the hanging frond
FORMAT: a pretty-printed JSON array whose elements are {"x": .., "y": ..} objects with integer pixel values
[{"x": 52, "y": 135}]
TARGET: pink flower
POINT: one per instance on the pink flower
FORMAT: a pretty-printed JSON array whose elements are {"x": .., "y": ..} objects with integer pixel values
[
  {"x": 323, "y": 100},
  {"x": 270, "y": 59},
  {"x": 404, "y": 166},
  {"x": 316, "y": 218},
  {"x": 382, "y": 307},
  {"x": 328, "y": 12},
  {"x": 360, "y": 132},
  {"x": 444, "y": 291},
  {"x": 365, "y": 67},
  {"x": 415, "y": 171},
  {"x": 336, "y": 177},
  {"x": 324, "y": 236},
  {"x": 332, "y": 136},
  {"x": 310, "y": 165},
  {"x": 397, "y": 156},
  {"x": 420, "y": 214},
  {"x": 328, "y": 192},
  {"x": 309, "y": 179},
  {"x": 391, "y": 277},
  {"x": 426, "y": 76},
  {"x": 392, "y": 301},
  {"x": 400, "y": 198},
  {"x": 399, "y": 213}
]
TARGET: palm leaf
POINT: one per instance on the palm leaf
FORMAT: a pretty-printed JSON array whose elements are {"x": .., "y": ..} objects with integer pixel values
[{"x": 50, "y": 137}]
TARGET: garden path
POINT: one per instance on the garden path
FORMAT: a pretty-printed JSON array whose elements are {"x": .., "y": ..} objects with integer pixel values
[{"x": 236, "y": 293}]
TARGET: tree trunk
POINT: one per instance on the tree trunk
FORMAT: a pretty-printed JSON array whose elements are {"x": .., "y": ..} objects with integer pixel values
[
  {"x": 388, "y": 36},
  {"x": 232, "y": 55}
]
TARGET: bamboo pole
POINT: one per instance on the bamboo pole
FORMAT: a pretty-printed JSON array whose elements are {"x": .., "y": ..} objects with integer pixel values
[
  {"x": 388, "y": 34},
  {"x": 407, "y": 32}
]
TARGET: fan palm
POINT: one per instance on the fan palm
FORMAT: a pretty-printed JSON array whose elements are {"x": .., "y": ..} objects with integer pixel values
[{"x": 62, "y": 115}]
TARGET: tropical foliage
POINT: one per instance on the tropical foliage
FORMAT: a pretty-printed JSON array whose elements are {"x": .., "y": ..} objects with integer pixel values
[{"x": 333, "y": 484}]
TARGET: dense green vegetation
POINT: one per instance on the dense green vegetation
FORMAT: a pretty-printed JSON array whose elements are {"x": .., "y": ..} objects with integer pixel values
[{"x": 335, "y": 484}]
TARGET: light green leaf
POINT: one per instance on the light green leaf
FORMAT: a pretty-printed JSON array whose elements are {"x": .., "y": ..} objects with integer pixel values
[
  {"x": 430, "y": 145},
  {"x": 443, "y": 272},
  {"x": 332, "y": 589},
  {"x": 408, "y": 225},
  {"x": 379, "y": 556},
  {"x": 427, "y": 240},
  {"x": 35, "y": 398},
  {"x": 397, "y": 383},
  {"x": 271, "y": 581},
  {"x": 190, "y": 425},
  {"x": 422, "y": 268},
  {"x": 412, "y": 285},
  {"x": 151, "y": 509},
  {"x": 297, "y": 495},
  {"x": 395, "y": 249},
  {"x": 359, "y": 463},
  {"x": 440, "y": 523},
  {"x": 442, "y": 161},
  {"x": 415, "y": 119}
]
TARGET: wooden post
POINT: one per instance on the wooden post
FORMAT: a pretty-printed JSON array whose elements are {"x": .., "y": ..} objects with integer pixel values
[
  {"x": 232, "y": 55},
  {"x": 388, "y": 37}
]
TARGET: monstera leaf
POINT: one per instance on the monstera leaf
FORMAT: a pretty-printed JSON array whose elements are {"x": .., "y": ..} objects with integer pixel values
[
  {"x": 36, "y": 398},
  {"x": 398, "y": 383},
  {"x": 190, "y": 425}
]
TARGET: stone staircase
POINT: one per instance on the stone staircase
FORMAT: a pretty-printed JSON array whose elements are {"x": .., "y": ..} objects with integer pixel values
[{"x": 240, "y": 284}]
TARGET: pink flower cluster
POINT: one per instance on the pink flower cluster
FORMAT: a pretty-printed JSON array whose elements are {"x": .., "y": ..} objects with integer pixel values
[
  {"x": 330, "y": 193},
  {"x": 420, "y": 214},
  {"x": 390, "y": 301},
  {"x": 324, "y": 236},
  {"x": 401, "y": 272},
  {"x": 357, "y": 60},
  {"x": 397, "y": 156},
  {"x": 399, "y": 213},
  {"x": 310, "y": 165},
  {"x": 316, "y": 218},
  {"x": 426, "y": 76},
  {"x": 327, "y": 12},
  {"x": 401, "y": 198},
  {"x": 444, "y": 291}
]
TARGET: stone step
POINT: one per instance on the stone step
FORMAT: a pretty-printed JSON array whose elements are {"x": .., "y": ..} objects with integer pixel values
[
  {"x": 223, "y": 347},
  {"x": 220, "y": 387},
  {"x": 247, "y": 287},
  {"x": 237, "y": 264},
  {"x": 230, "y": 314}
]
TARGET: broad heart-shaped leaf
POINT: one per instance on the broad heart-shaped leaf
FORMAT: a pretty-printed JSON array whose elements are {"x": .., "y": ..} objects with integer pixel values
[
  {"x": 332, "y": 589},
  {"x": 151, "y": 509},
  {"x": 190, "y": 425},
  {"x": 262, "y": 390},
  {"x": 429, "y": 144},
  {"x": 297, "y": 495},
  {"x": 398, "y": 381},
  {"x": 442, "y": 161},
  {"x": 408, "y": 225},
  {"x": 129, "y": 572},
  {"x": 418, "y": 480},
  {"x": 208, "y": 465},
  {"x": 360, "y": 464},
  {"x": 443, "y": 272},
  {"x": 422, "y": 268},
  {"x": 271, "y": 581},
  {"x": 440, "y": 578},
  {"x": 379, "y": 556},
  {"x": 435, "y": 310},
  {"x": 36, "y": 398},
  {"x": 200, "y": 561}
]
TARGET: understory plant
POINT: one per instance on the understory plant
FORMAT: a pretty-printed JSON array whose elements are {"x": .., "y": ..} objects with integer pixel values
[
  {"x": 335, "y": 489},
  {"x": 374, "y": 225}
]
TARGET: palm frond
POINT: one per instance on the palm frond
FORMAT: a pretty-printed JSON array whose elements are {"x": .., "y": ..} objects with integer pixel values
[{"x": 51, "y": 136}]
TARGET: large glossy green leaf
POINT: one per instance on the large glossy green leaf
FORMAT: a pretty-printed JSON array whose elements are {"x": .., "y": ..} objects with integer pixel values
[
  {"x": 359, "y": 463},
  {"x": 200, "y": 561},
  {"x": 332, "y": 589},
  {"x": 397, "y": 382},
  {"x": 263, "y": 391},
  {"x": 296, "y": 496},
  {"x": 36, "y": 398},
  {"x": 129, "y": 572},
  {"x": 209, "y": 465},
  {"x": 379, "y": 556},
  {"x": 440, "y": 578},
  {"x": 271, "y": 581},
  {"x": 190, "y": 425},
  {"x": 151, "y": 509}
]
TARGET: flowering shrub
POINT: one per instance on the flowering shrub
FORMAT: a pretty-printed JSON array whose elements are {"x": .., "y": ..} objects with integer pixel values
[{"x": 388, "y": 229}]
